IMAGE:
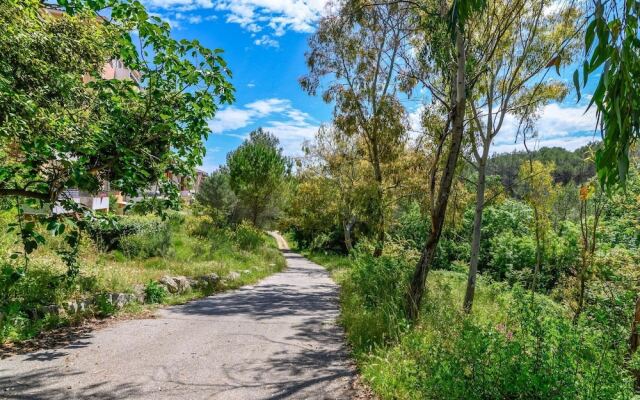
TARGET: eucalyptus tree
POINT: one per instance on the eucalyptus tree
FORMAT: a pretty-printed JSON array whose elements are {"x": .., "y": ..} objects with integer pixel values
[
  {"x": 356, "y": 49},
  {"x": 612, "y": 54},
  {"x": 65, "y": 127},
  {"x": 338, "y": 158},
  {"x": 441, "y": 69},
  {"x": 525, "y": 39},
  {"x": 539, "y": 191},
  {"x": 592, "y": 204}
]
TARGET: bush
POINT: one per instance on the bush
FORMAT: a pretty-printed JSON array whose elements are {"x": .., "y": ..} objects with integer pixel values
[
  {"x": 136, "y": 236},
  {"x": 147, "y": 243},
  {"x": 200, "y": 226},
  {"x": 104, "y": 307},
  {"x": 154, "y": 292},
  {"x": 535, "y": 353},
  {"x": 374, "y": 293},
  {"x": 248, "y": 237}
]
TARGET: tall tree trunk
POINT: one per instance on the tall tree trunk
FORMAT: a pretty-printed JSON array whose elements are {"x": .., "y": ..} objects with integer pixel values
[
  {"x": 380, "y": 228},
  {"x": 416, "y": 288},
  {"x": 476, "y": 236},
  {"x": 348, "y": 227},
  {"x": 538, "y": 266},
  {"x": 254, "y": 215}
]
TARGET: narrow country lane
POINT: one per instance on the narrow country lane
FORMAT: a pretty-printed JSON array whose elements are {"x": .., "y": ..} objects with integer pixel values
[{"x": 275, "y": 340}]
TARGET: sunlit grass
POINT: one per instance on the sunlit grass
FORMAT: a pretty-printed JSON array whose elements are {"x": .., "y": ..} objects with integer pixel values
[{"x": 102, "y": 272}]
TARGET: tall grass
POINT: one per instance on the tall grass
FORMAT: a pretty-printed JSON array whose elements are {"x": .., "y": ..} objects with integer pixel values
[
  {"x": 185, "y": 253},
  {"x": 513, "y": 345}
]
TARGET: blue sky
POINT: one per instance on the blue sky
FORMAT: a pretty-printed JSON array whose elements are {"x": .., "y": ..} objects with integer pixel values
[{"x": 265, "y": 42}]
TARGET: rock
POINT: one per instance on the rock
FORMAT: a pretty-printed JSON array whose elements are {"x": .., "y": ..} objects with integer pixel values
[
  {"x": 209, "y": 281},
  {"x": 232, "y": 276},
  {"x": 71, "y": 307},
  {"x": 50, "y": 309},
  {"x": 245, "y": 271},
  {"x": 169, "y": 283},
  {"x": 83, "y": 305},
  {"x": 183, "y": 283},
  {"x": 119, "y": 300},
  {"x": 139, "y": 293}
]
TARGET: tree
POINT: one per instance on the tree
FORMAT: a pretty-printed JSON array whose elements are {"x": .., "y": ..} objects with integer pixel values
[
  {"x": 68, "y": 128},
  {"x": 591, "y": 206},
  {"x": 216, "y": 196},
  {"x": 358, "y": 47},
  {"x": 313, "y": 214},
  {"x": 611, "y": 46},
  {"x": 449, "y": 64},
  {"x": 523, "y": 36},
  {"x": 337, "y": 156},
  {"x": 538, "y": 190},
  {"x": 257, "y": 172}
]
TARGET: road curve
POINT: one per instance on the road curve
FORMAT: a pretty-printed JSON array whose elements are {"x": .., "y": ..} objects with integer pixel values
[{"x": 275, "y": 340}]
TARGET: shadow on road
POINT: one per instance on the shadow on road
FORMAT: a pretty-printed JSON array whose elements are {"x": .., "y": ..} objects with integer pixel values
[
  {"x": 38, "y": 385},
  {"x": 268, "y": 301},
  {"x": 71, "y": 337},
  {"x": 306, "y": 359}
]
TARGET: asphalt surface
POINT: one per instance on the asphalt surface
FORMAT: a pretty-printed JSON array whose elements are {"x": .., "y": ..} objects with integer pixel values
[{"x": 275, "y": 340}]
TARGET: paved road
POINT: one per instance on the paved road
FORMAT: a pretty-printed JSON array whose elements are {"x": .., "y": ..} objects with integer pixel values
[{"x": 275, "y": 340}]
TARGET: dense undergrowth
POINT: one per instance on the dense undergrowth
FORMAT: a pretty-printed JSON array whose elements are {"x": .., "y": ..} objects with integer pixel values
[
  {"x": 137, "y": 250},
  {"x": 515, "y": 345}
]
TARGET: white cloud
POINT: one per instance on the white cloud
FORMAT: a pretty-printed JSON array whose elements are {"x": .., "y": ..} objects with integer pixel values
[
  {"x": 174, "y": 23},
  {"x": 415, "y": 122},
  {"x": 192, "y": 19},
  {"x": 255, "y": 15},
  {"x": 558, "y": 126},
  {"x": 231, "y": 118},
  {"x": 269, "y": 106},
  {"x": 180, "y": 5},
  {"x": 278, "y": 116},
  {"x": 266, "y": 41}
]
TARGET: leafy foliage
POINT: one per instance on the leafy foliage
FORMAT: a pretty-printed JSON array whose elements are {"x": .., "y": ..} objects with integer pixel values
[
  {"x": 154, "y": 292},
  {"x": 570, "y": 166},
  {"x": 248, "y": 237},
  {"x": 612, "y": 46},
  {"x": 218, "y": 198},
  {"x": 257, "y": 172},
  {"x": 64, "y": 126}
]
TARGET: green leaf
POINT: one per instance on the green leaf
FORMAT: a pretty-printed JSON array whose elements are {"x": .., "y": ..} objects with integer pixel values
[
  {"x": 576, "y": 83},
  {"x": 589, "y": 36}
]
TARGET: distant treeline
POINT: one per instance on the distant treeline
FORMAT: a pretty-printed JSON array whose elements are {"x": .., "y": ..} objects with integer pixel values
[{"x": 576, "y": 166}]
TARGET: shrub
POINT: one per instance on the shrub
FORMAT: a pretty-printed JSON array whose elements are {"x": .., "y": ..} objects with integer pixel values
[
  {"x": 512, "y": 257},
  {"x": 200, "y": 226},
  {"x": 104, "y": 307},
  {"x": 136, "y": 236},
  {"x": 373, "y": 294},
  {"x": 535, "y": 353},
  {"x": 154, "y": 292},
  {"x": 248, "y": 237},
  {"x": 147, "y": 243}
]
